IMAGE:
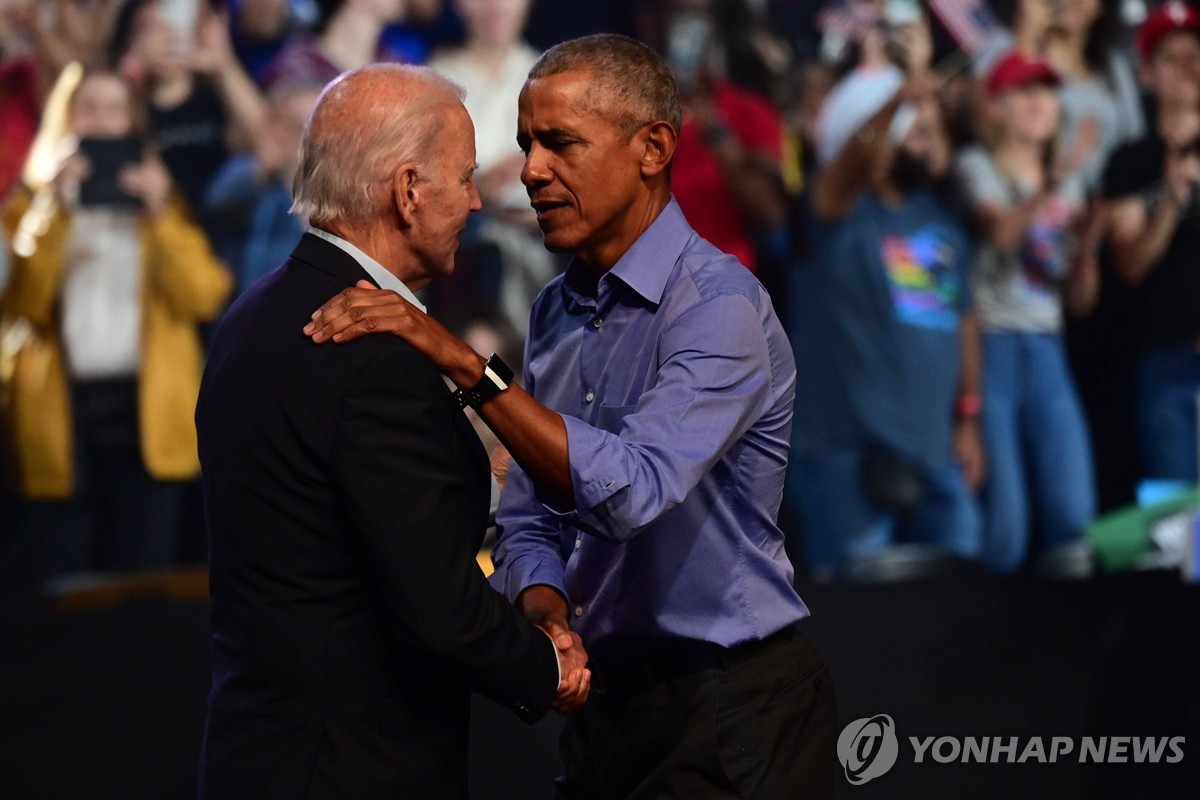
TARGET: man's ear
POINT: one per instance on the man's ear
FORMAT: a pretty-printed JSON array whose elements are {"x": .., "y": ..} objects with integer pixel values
[
  {"x": 658, "y": 147},
  {"x": 406, "y": 192}
]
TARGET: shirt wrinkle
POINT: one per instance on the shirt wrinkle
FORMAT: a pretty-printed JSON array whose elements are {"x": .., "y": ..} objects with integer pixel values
[{"x": 682, "y": 480}]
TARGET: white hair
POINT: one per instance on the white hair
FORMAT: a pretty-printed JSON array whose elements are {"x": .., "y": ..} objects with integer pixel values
[{"x": 343, "y": 168}]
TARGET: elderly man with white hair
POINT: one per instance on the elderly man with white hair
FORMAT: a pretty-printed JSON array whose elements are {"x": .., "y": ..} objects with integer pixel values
[{"x": 346, "y": 493}]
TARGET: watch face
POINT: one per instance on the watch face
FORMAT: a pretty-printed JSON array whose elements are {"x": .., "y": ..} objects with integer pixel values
[
  {"x": 495, "y": 379},
  {"x": 500, "y": 370}
]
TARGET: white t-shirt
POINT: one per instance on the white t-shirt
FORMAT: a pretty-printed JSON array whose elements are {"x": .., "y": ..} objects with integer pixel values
[{"x": 1019, "y": 289}]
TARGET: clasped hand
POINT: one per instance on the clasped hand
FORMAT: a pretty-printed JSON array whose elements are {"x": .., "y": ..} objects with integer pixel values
[{"x": 572, "y": 660}]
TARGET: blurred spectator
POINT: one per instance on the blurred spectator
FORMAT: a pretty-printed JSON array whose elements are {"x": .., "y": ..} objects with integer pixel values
[
  {"x": 201, "y": 99},
  {"x": 20, "y": 93},
  {"x": 811, "y": 86},
  {"x": 796, "y": 22},
  {"x": 20, "y": 108},
  {"x": 247, "y": 203},
  {"x": 266, "y": 20},
  {"x": 492, "y": 65},
  {"x": 727, "y": 172},
  {"x": 5, "y": 270},
  {"x": 886, "y": 448},
  {"x": 104, "y": 389},
  {"x": 61, "y": 32},
  {"x": 754, "y": 54},
  {"x": 1100, "y": 102},
  {"x": 262, "y": 28},
  {"x": 1155, "y": 240},
  {"x": 347, "y": 36},
  {"x": 1026, "y": 204},
  {"x": 37, "y": 41},
  {"x": 554, "y": 21}
]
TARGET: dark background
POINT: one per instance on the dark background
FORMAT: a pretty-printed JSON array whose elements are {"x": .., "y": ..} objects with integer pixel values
[{"x": 102, "y": 690}]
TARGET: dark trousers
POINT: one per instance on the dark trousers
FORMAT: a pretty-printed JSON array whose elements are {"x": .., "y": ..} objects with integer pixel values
[
  {"x": 119, "y": 517},
  {"x": 757, "y": 721}
]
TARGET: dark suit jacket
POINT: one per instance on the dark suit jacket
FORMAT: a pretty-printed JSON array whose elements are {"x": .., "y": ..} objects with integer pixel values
[{"x": 346, "y": 499}]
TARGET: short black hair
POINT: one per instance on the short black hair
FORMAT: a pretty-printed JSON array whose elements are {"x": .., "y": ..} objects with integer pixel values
[{"x": 630, "y": 81}]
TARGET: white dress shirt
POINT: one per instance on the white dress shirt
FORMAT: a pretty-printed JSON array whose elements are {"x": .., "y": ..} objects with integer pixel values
[{"x": 386, "y": 280}]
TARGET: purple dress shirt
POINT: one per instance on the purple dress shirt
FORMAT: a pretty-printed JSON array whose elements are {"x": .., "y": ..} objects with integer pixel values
[{"x": 675, "y": 380}]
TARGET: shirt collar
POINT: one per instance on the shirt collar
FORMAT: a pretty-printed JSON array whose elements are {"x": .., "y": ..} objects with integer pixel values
[
  {"x": 647, "y": 264},
  {"x": 380, "y": 274}
]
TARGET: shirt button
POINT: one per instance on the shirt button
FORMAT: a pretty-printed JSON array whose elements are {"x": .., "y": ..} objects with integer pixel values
[
  {"x": 579, "y": 611},
  {"x": 579, "y": 543},
  {"x": 597, "y": 322},
  {"x": 590, "y": 396}
]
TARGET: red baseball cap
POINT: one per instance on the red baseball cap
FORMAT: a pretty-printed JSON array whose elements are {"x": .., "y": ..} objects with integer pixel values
[
  {"x": 1016, "y": 71},
  {"x": 1168, "y": 18}
]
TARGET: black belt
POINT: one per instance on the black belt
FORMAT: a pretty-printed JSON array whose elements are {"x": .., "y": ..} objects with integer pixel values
[{"x": 679, "y": 658}]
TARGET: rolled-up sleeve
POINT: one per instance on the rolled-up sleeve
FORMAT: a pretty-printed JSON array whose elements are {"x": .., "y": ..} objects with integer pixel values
[
  {"x": 529, "y": 547},
  {"x": 713, "y": 380}
]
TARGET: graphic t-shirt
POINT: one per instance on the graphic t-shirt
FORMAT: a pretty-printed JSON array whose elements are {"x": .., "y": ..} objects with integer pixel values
[
  {"x": 924, "y": 282},
  {"x": 876, "y": 312},
  {"x": 1019, "y": 289}
]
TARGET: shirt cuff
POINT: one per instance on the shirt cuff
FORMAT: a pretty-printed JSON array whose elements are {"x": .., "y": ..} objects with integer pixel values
[
  {"x": 517, "y": 574},
  {"x": 601, "y": 470},
  {"x": 557, "y": 660}
]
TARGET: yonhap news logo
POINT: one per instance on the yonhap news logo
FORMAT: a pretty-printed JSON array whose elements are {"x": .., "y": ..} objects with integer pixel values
[{"x": 869, "y": 747}]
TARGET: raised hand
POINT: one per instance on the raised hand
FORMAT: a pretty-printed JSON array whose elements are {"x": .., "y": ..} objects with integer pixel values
[
  {"x": 65, "y": 185},
  {"x": 149, "y": 181}
]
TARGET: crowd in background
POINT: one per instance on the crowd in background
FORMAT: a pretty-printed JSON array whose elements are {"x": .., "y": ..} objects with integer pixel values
[{"x": 980, "y": 221}]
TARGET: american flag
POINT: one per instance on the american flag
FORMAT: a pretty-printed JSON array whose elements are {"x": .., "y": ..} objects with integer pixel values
[{"x": 969, "y": 22}]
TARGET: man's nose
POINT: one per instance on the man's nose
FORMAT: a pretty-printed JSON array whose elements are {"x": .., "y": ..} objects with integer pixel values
[{"x": 536, "y": 170}]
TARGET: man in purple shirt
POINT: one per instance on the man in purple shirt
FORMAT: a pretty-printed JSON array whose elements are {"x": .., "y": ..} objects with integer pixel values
[{"x": 650, "y": 455}]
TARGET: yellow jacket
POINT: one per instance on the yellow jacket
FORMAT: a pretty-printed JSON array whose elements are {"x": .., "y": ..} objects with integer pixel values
[{"x": 183, "y": 284}]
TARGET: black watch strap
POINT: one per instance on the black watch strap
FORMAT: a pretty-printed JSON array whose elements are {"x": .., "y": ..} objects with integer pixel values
[{"x": 497, "y": 376}]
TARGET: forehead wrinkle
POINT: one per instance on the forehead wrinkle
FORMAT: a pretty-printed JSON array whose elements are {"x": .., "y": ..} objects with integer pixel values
[{"x": 593, "y": 110}]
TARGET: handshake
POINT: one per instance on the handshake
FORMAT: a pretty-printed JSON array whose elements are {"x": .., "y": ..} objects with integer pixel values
[{"x": 546, "y": 608}]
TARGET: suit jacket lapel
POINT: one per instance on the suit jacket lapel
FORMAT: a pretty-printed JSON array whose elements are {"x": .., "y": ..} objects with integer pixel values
[
  {"x": 315, "y": 252},
  {"x": 329, "y": 258}
]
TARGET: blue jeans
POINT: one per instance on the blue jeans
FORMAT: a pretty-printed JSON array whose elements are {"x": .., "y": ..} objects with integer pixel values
[
  {"x": 841, "y": 523},
  {"x": 1168, "y": 382},
  {"x": 1037, "y": 444}
]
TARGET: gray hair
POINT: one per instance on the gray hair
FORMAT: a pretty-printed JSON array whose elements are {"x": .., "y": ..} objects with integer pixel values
[
  {"x": 630, "y": 82},
  {"x": 344, "y": 167}
]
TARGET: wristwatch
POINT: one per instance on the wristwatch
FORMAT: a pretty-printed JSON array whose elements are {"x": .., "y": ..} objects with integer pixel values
[{"x": 496, "y": 378}]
